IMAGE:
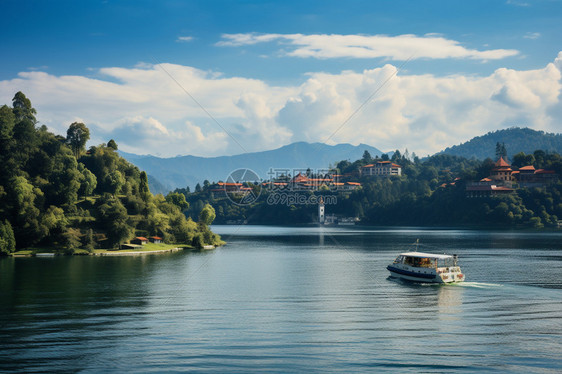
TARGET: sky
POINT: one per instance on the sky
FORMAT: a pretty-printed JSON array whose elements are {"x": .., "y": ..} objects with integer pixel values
[{"x": 211, "y": 78}]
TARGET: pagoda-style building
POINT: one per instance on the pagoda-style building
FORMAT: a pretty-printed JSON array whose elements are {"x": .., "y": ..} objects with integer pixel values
[{"x": 501, "y": 173}]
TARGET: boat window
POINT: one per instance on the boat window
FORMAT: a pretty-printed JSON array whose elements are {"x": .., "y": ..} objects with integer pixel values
[{"x": 445, "y": 262}]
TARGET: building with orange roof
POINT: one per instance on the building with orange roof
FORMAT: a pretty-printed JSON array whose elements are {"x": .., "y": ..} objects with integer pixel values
[
  {"x": 502, "y": 172},
  {"x": 381, "y": 168}
]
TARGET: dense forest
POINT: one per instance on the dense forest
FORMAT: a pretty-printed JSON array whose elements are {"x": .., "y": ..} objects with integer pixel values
[
  {"x": 55, "y": 194},
  {"x": 516, "y": 139},
  {"x": 430, "y": 192}
]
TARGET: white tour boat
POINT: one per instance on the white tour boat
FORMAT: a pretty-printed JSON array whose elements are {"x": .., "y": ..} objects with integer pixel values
[{"x": 426, "y": 268}]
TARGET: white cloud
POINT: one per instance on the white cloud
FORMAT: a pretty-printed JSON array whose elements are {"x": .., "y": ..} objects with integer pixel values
[
  {"x": 146, "y": 111},
  {"x": 401, "y": 47},
  {"x": 532, "y": 35},
  {"x": 517, "y": 3},
  {"x": 184, "y": 39}
]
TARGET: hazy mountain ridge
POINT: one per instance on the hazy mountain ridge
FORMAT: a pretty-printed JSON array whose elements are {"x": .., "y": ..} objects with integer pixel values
[
  {"x": 181, "y": 171},
  {"x": 516, "y": 140}
]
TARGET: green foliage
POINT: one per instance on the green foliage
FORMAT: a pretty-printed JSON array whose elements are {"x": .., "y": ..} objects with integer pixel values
[
  {"x": 42, "y": 175},
  {"x": 7, "y": 238},
  {"x": 88, "y": 181},
  {"x": 429, "y": 192},
  {"x": 71, "y": 240},
  {"x": 112, "y": 144},
  {"x": 23, "y": 110},
  {"x": 207, "y": 215},
  {"x": 77, "y": 135},
  {"x": 89, "y": 242},
  {"x": 7, "y": 122},
  {"x": 112, "y": 216},
  {"x": 178, "y": 200},
  {"x": 514, "y": 140},
  {"x": 143, "y": 186}
]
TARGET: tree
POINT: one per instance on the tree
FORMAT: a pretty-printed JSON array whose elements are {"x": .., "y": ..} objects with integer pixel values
[
  {"x": 114, "y": 181},
  {"x": 71, "y": 240},
  {"x": 113, "y": 217},
  {"x": 501, "y": 151},
  {"x": 27, "y": 225},
  {"x": 144, "y": 190},
  {"x": 111, "y": 144},
  {"x": 76, "y": 136},
  {"x": 88, "y": 181},
  {"x": 367, "y": 156},
  {"x": 7, "y": 122},
  {"x": 7, "y": 238},
  {"x": 178, "y": 200},
  {"x": 89, "y": 242},
  {"x": 197, "y": 187},
  {"x": 207, "y": 215},
  {"x": 23, "y": 109}
]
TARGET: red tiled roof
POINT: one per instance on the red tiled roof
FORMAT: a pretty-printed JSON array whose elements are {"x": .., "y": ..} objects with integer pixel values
[
  {"x": 543, "y": 171},
  {"x": 354, "y": 183},
  {"x": 369, "y": 166},
  {"x": 502, "y": 163},
  {"x": 528, "y": 167},
  {"x": 485, "y": 180},
  {"x": 141, "y": 238},
  {"x": 156, "y": 238}
]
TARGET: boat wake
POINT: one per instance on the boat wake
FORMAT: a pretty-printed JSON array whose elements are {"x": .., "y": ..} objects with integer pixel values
[{"x": 477, "y": 285}]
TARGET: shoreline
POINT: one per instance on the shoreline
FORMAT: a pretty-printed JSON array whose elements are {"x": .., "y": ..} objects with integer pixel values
[{"x": 116, "y": 253}]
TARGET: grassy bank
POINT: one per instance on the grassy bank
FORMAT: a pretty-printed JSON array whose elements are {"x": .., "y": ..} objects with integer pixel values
[{"x": 149, "y": 247}]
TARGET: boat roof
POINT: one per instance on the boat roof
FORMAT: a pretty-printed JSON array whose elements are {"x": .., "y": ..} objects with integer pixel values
[{"x": 425, "y": 255}]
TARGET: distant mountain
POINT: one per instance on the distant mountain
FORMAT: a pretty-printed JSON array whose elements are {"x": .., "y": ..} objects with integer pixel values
[
  {"x": 166, "y": 174},
  {"x": 516, "y": 140}
]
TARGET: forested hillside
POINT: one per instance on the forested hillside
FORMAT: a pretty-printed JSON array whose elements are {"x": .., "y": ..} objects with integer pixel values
[
  {"x": 431, "y": 192},
  {"x": 55, "y": 194},
  {"x": 515, "y": 139}
]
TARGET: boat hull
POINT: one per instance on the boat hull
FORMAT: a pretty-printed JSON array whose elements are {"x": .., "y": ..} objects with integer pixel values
[{"x": 424, "y": 277}]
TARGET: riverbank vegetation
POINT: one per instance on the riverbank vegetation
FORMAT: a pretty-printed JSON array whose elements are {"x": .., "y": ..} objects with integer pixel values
[{"x": 56, "y": 194}]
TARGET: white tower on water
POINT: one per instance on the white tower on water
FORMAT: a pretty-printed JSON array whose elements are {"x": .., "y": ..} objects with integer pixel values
[{"x": 321, "y": 216}]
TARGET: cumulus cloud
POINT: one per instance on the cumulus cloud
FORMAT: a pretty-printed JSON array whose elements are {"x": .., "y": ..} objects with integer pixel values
[
  {"x": 401, "y": 47},
  {"x": 146, "y": 111}
]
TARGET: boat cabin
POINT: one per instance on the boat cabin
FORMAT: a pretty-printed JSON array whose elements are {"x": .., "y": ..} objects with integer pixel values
[{"x": 426, "y": 260}]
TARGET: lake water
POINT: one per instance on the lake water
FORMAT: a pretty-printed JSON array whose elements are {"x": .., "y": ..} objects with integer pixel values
[{"x": 278, "y": 299}]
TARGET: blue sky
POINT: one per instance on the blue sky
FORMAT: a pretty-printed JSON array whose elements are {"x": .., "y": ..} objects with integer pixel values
[{"x": 271, "y": 73}]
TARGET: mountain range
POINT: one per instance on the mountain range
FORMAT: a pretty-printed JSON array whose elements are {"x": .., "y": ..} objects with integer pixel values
[{"x": 167, "y": 174}]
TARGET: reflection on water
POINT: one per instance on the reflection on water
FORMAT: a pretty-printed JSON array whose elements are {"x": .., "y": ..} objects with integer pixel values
[{"x": 288, "y": 300}]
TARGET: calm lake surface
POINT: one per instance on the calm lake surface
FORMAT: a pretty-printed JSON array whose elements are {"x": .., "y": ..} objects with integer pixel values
[{"x": 278, "y": 299}]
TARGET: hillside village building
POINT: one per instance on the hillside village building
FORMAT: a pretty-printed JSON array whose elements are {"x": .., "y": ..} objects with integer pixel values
[
  {"x": 381, "y": 168},
  {"x": 503, "y": 178}
]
